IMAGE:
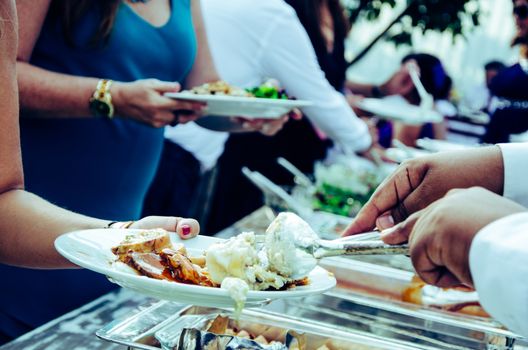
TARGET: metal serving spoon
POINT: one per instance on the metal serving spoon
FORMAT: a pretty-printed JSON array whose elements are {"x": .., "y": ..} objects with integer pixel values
[{"x": 294, "y": 248}]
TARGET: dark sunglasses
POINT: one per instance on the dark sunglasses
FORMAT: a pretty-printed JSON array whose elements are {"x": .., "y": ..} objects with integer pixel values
[{"x": 521, "y": 11}]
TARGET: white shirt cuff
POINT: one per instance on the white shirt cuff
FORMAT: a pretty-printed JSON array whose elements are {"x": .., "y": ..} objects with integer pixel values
[
  {"x": 498, "y": 260},
  {"x": 515, "y": 156}
]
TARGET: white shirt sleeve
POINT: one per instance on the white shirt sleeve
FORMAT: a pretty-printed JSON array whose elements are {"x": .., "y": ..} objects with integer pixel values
[
  {"x": 288, "y": 56},
  {"x": 515, "y": 156},
  {"x": 499, "y": 265}
]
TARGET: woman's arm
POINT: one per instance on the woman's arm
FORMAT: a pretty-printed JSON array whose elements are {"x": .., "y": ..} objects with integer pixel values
[
  {"x": 28, "y": 224},
  {"x": 11, "y": 176},
  {"x": 28, "y": 227},
  {"x": 366, "y": 90},
  {"x": 400, "y": 83},
  {"x": 41, "y": 90},
  {"x": 203, "y": 70},
  {"x": 407, "y": 134},
  {"x": 57, "y": 95}
]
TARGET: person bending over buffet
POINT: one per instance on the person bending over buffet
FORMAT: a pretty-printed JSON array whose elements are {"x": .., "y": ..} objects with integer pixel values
[
  {"x": 477, "y": 236},
  {"x": 29, "y": 225},
  {"x": 92, "y": 76},
  {"x": 400, "y": 88},
  {"x": 301, "y": 44},
  {"x": 510, "y": 87}
]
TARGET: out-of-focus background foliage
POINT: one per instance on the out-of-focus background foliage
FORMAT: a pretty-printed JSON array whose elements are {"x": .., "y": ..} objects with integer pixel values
[
  {"x": 454, "y": 17},
  {"x": 465, "y": 34}
]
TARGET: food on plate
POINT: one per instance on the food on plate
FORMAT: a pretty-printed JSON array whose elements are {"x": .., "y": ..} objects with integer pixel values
[
  {"x": 151, "y": 241},
  {"x": 239, "y": 257},
  {"x": 342, "y": 189},
  {"x": 237, "y": 265},
  {"x": 281, "y": 238},
  {"x": 219, "y": 88},
  {"x": 269, "y": 90},
  {"x": 181, "y": 268},
  {"x": 462, "y": 299},
  {"x": 238, "y": 290},
  {"x": 151, "y": 254}
]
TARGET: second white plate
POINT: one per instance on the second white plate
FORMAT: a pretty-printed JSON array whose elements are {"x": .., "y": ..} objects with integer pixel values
[
  {"x": 440, "y": 145},
  {"x": 395, "y": 109},
  {"x": 248, "y": 107}
]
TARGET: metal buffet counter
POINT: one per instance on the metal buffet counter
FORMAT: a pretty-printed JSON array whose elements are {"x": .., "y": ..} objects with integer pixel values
[{"x": 365, "y": 311}]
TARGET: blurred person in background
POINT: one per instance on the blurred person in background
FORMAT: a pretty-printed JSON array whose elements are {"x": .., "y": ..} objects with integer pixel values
[
  {"x": 438, "y": 84},
  {"x": 400, "y": 86},
  {"x": 510, "y": 87},
  {"x": 479, "y": 97},
  {"x": 252, "y": 41},
  {"x": 459, "y": 234},
  {"x": 92, "y": 75},
  {"x": 29, "y": 225},
  {"x": 492, "y": 69}
]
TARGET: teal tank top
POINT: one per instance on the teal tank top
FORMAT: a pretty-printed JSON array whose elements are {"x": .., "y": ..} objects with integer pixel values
[
  {"x": 92, "y": 166},
  {"x": 102, "y": 167}
]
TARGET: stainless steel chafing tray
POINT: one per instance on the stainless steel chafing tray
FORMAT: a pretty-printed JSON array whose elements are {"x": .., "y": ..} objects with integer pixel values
[
  {"x": 368, "y": 297},
  {"x": 367, "y": 300},
  {"x": 141, "y": 330}
]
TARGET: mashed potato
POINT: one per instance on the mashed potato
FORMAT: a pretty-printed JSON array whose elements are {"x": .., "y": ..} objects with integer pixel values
[
  {"x": 283, "y": 256},
  {"x": 238, "y": 257},
  {"x": 238, "y": 266}
]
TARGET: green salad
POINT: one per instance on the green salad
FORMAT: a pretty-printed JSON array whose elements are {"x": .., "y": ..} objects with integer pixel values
[
  {"x": 338, "y": 201},
  {"x": 269, "y": 90},
  {"x": 342, "y": 190}
]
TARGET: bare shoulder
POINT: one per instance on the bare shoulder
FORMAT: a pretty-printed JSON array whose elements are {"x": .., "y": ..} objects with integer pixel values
[
  {"x": 8, "y": 22},
  {"x": 31, "y": 16},
  {"x": 11, "y": 170}
]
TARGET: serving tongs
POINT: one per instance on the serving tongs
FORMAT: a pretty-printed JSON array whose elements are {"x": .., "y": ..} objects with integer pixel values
[
  {"x": 322, "y": 248},
  {"x": 299, "y": 177},
  {"x": 296, "y": 238},
  {"x": 267, "y": 186},
  {"x": 350, "y": 246}
]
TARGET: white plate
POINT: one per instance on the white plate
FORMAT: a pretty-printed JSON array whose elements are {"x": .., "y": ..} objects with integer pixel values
[
  {"x": 91, "y": 249},
  {"x": 399, "y": 155},
  {"x": 394, "y": 109},
  {"x": 249, "y": 107},
  {"x": 440, "y": 145}
]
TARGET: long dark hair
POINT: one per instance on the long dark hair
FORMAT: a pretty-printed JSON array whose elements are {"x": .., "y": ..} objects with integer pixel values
[
  {"x": 432, "y": 74},
  {"x": 68, "y": 12},
  {"x": 332, "y": 63},
  {"x": 309, "y": 14}
]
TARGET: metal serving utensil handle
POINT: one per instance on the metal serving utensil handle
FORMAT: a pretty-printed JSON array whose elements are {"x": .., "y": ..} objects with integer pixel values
[{"x": 337, "y": 248}]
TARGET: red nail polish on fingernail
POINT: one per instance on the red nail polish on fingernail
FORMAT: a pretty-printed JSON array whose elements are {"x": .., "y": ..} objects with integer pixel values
[{"x": 186, "y": 230}]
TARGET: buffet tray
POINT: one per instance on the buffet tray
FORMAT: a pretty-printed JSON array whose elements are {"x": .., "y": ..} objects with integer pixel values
[
  {"x": 140, "y": 331},
  {"x": 369, "y": 297}
]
